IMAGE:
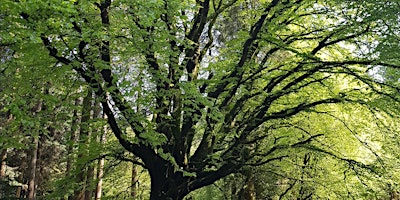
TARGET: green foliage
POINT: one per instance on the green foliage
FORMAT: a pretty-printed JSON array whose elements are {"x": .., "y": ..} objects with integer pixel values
[{"x": 303, "y": 92}]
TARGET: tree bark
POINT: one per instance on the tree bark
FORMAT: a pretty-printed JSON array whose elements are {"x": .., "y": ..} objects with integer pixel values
[
  {"x": 303, "y": 193},
  {"x": 3, "y": 173},
  {"x": 3, "y": 163},
  {"x": 3, "y": 166},
  {"x": 73, "y": 136},
  {"x": 32, "y": 170},
  {"x": 134, "y": 180},
  {"x": 93, "y": 136},
  {"x": 20, "y": 178},
  {"x": 89, "y": 180},
  {"x": 100, "y": 179},
  {"x": 33, "y": 158},
  {"x": 166, "y": 183},
  {"x": 100, "y": 168},
  {"x": 79, "y": 193},
  {"x": 249, "y": 192}
]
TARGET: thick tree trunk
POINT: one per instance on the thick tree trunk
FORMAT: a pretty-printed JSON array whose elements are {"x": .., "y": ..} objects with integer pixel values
[
  {"x": 169, "y": 183},
  {"x": 165, "y": 193},
  {"x": 166, "y": 183}
]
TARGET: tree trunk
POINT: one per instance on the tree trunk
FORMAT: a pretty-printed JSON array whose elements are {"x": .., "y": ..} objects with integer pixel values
[
  {"x": 73, "y": 139},
  {"x": 18, "y": 193},
  {"x": 100, "y": 168},
  {"x": 100, "y": 179},
  {"x": 169, "y": 192},
  {"x": 3, "y": 163},
  {"x": 249, "y": 192},
  {"x": 79, "y": 193},
  {"x": 93, "y": 136},
  {"x": 20, "y": 178},
  {"x": 134, "y": 180},
  {"x": 166, "y": 183},
  {"x": 303, "y": 193},
  {"x": 3, "y": 166},
  {"x": 34, "y": 157},
  {"x": 32, "y": 170},
  {"x": 73, "y": 136},
  {"x": 89, "y": 180}
]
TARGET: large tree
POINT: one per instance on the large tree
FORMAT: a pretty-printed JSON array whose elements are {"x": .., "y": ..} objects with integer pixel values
[{"x": 200, "y": 84}]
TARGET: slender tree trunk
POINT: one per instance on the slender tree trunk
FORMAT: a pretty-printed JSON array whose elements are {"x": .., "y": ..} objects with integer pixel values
[
  {"x": 89, "y": 180},
  {"x": 3, "y": 166},
  {"x": 134, "y": 181},
  {"x": 19, "y": 189},
  {"x": 249, "y": 192},
  {"x": 20, "y": 178},
  {"x": 93, "y": 136},
  {"x": 33, "y": 159},
  {"x": 3, "y": 163},
  {"x": 233, "y": 188},
  {"x": 100, "y": 179},
  {"x": 79, "y": 193},
  {"x": 73, "y": 138},
  {"x": 303, "y": 193},
  {"x": 32, "y": 170},
  {"x": 3, "y": 157},
  {"x": 134, "y": 178},
  {"x": 100, "y": 168}
]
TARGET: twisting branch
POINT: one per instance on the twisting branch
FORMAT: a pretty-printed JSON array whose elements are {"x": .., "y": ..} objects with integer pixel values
[{"x": 236, "y": 73}]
